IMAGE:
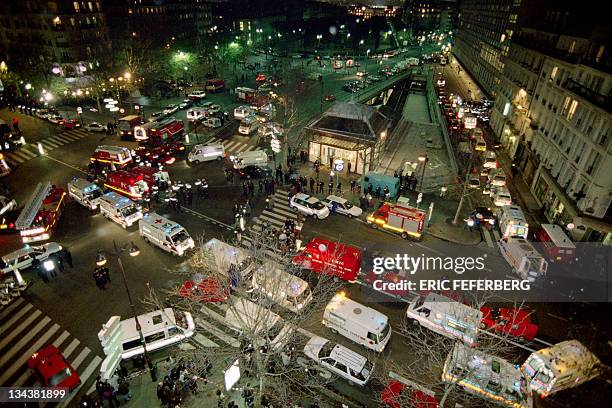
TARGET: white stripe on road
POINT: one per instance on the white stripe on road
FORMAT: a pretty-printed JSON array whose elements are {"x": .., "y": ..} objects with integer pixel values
[
  {"x": 261, "y": 219},
  {"x": 80, "y": 358},
  {"x": 58, "y": 342},
  {"x": 218, "y": 333},
  {"x": 23, "y": 378},
  {"x": 249, "y": 148},
  {"x": 93, "y": 365},
  {"x": 241, "y": 148},
  {"x": 204, "y": 341},
  {"x": 487, "y": 236},
  {"x": 9, "y": 308},
  {"x": 29, "y": 153},
  {"x": 73, "y": 345},
  {"x": 17, "y": 316},
  {"x": 63, "y": 139},
  {"x": 42, "y": 340},
  {"x": 229, "y": 145},
  {"x": 73, "y": 137},
  {"x": 496, "y": 235},
  {"x": 13, "y": 161},
  {"x": 49, "y": 144},
  {"x": 10, "y": 336},
  {"x": 22, "y": 155},
  {"x": 56, "y": 139}
]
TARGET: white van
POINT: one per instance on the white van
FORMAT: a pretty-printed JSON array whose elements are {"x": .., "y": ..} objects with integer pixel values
[
  {"x": 119, "y": 209},
  {"x": 242, "y": 112},
  {"x": 445, "y": 316},
  {"x": 207, "y": 152},
  {"x": 357, "y": 322},
  {"x": 234, "y": 262},
  {"x": 161, "y": 328},
  {"x": 248, "y": 125},
  {"x": 166, "y": 234},
  {"x": 246, "y": 317},
  {"x": 84, "y": 193},
  {"x": 196, "y": 114},
  {"x": 252, "y": 158},
  {"x": 212, "y": 122},
  {"x": 282, "y": 288}
]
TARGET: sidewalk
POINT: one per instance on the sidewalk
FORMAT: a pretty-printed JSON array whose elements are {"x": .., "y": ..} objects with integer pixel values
[{"x": 440, "y": 225}]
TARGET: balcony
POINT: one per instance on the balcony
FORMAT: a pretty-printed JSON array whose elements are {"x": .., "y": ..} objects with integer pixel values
[{"x": 595, "y": 98}]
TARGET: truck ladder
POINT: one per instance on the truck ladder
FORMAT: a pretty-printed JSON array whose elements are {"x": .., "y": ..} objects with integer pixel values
[{"x": 30, "y": 209}]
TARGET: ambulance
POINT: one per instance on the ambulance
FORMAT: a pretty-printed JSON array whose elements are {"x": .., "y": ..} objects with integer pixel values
[
  {"x": 127, "y": 125},
  {"x": 126, "y": 183},
  {"x": 115, "y": 155},
  {"x": 159, "y": 132},
  {"x": 282, "y": 288},
  {"x": 330, "y": 258},
  {"x": 399, "y": 218},
  {"x": 445, "y": 316},
  {"x": 556, "y": 244},
  {"x": 84, "y": 193},
  {"x": 357, "y": 322},
  {"x": 523, "y": 258},
  {"x": 119, "y": 209},
  {"x": 564, "y": 365},
  {"x": 245, "y": 94},
  {"x": 166, "y": 234},
  {"x": 512, "y": 222},
  {"x": 234, "y": 262}
]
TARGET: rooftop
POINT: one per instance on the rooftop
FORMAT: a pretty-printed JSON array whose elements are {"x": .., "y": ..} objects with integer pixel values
[{"x": 353, "y": 121}]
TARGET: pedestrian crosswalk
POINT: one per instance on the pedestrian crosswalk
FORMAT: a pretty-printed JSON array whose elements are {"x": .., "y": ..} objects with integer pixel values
[
  {"x": 24, "y": 330},
  {"x": 32, "y": 150},
  {"x": 233, "y": 146}
]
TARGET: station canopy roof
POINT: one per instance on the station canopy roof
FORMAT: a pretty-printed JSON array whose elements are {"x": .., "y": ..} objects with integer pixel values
[{"x": 351, "y": 121}]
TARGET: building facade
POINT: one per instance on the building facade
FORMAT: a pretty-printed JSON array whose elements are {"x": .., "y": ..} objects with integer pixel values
[
  {"x": 482, "y": 39},
  {"x": 431, "y": 15},
  {"x": 553, "y": 115},
  {"x": 59, "y": 37}
]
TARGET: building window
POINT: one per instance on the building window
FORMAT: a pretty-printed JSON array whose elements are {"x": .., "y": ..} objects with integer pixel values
[
  {"x": 90, "y": 4},
  {"x": 76, "y": 6},
  {"x": 72, "y": 21},
  {"x": 600, "y": 52},
  {"x": 553, "y": 73},
  {"x": 572, "y": 109},
  {"x": 572, "y": 47}
]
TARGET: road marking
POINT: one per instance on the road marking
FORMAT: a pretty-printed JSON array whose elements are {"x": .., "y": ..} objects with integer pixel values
[
  {"x": 42, "y": 340},
  {"x": 487, "y": 237},
  {"x": 73, "y": 345},
  {"x": 496, "y": 235},
  {"x": 9, "y": 308},
  {"x": 17, "y": 316},
  {"x": 56, "y": 139},
  {"x": 80, "y": 358},
  {"x": 61, "y": 338},
  {"x": 63, "y": 139},
  {"x": 66, "y": 164},
  {"x": 84, "y": 377},
  {"x": 21, "y": 155},
  {"x": 11, "y": 161},
  {"x": 230, "y": 145},
  {"x": 49, "y": 144},
  {"x": 10, "y": 336},
  {"x": 218, "y": 333},
  {"x": 242, "y": 147},
  {"x": 72, "y": 137},
  {"x": 204, "y": 341}
]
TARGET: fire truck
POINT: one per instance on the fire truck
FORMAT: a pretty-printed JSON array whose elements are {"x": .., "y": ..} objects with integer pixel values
[
  {"x": 115, "y": 155},
  {"x": 215, "y": 85},
  {"x": 127, "y": 184},
  {"x": 245, "y": 94},
  {"x": 525, "y": 260},
  {"x": 564, "y": 365},
  {"x": 127, "y": 125},
  {"x": 152, "y": 176},
  {"x": 41, "y": 213},
  {"x": 159, "y": 132},
  {"x": 400, "y": 218}
]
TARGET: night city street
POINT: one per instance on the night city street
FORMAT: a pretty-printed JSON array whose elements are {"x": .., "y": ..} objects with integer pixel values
[{"x": 246, "y": 203}]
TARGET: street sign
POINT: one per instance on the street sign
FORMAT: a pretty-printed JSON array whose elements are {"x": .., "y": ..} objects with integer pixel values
[
  {"x": 419, "y": 198},
  {"x": 338, "y": 165}
]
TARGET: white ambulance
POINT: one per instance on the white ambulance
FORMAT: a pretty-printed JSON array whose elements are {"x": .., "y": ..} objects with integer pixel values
[
  {"x": 357, "y": 322},
  {"x": 525, "y": 260},
  {"x": 282, "y": 288},
  {"x": 236, "y": 263},
  {"x": 252, "y": 158},
  {"x": 445, "y": 316},
  {"x": 206, "y": 152},
  {"x": 119, "y": 209},
  {"x": 84, "y": 193},
  {"x": 166, "y": 234},
  {"x": 512, "y": 221}
]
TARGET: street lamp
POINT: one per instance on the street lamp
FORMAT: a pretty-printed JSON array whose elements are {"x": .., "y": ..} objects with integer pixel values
[{"x": 101, "y": 260}]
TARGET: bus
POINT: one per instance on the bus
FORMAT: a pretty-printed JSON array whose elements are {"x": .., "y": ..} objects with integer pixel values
[
  {"x": 556, "y": 244},
  {"x": 160, "y": 328},
  {"x": 487, "y": 376}
]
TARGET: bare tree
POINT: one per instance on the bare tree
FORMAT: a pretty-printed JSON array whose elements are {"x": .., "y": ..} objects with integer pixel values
[{"x": 266, "y": 309}]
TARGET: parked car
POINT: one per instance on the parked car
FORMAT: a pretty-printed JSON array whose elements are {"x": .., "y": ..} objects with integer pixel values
[
  {"x": 490, "y": 161},
  {"x": 206, "y": 290},
  {"x": 342, "y": 206},
  {"x": 497, "y": 178},
  {"x": 56, "y": 119},
  {"x": 309, "y": 205},
  {"x": 339, "y": 360},
  {"x": 473, "y": 182},
  {"x": 156, "y": 115},
  {"x": 170, "y": 109},
  {"x": 214, "y": 108},
  {"x": 185, "y": 104},
  {"x": 501, "y": 196},
  {"x": 255, "y": 172},
  {"x": 42, "y": 113},
  {"x": 95, "y": 127}
]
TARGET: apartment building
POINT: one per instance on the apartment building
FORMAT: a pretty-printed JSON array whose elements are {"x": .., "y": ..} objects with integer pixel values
[
  {"x": 553, "y": 115},
  {"x": 430, "y": 15},
  {"x": 59, "y": 36}
]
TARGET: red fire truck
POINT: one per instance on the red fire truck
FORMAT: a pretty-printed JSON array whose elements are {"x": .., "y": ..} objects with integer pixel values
[
  {"x": 556, "y": 244},
  {"x": 127, "y": 184},
  {"x": 215, "y": 85},
  {"x": 40, "y": 215},
  {"x": 330, "y": 258},
  {"x": 402, "y": 219},
  {"x": 159, "y": 132},
  {"x": 151, "y": 175},
  {"x": 245, "y": 94},
  {"x": 116, "y": 155},
  {"x": 127, "y": 125}
]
